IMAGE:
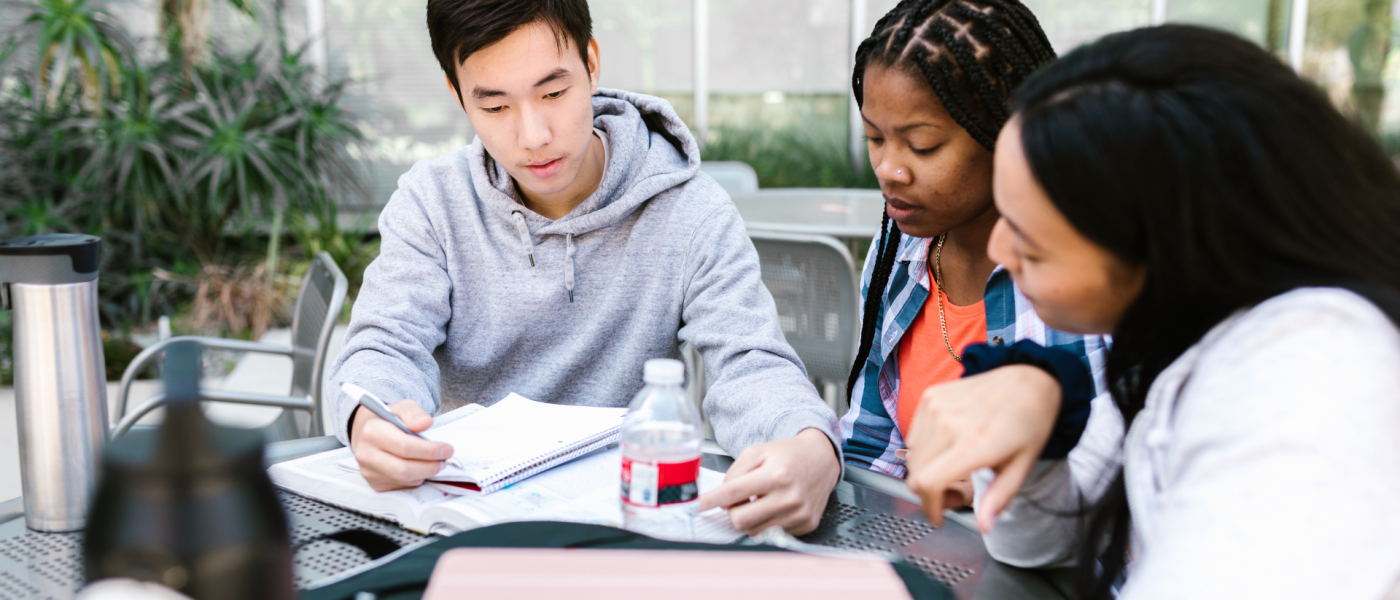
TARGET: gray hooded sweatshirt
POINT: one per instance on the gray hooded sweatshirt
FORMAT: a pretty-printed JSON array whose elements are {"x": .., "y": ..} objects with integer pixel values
[{"x": 475, "y": 296}]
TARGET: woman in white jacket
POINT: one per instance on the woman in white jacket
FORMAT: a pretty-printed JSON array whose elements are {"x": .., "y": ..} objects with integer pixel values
[{"x": 1183, "y": 190}]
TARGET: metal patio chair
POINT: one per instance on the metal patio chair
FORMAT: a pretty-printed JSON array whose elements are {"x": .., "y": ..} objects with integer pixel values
[
  {"x": 813, "y": 282},
  {"x": 318, "y": 308},
  {"x": 735, "y": 176}
]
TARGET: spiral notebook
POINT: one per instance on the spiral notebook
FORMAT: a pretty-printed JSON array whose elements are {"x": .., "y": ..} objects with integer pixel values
[{"x": 516, "y": 438}]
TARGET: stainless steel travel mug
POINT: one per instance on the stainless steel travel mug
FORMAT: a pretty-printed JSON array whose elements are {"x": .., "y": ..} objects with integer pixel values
[{"x": 50, "y": 282}]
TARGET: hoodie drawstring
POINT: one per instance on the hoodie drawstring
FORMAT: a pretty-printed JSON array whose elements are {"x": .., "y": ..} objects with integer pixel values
[
  {"x": 569, "y": 251},
  {"x": 524, "y": 232}
]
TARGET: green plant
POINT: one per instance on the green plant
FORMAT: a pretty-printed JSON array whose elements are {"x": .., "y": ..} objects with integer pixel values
[
  {"x": 117, "y": 353},
  {"x": 7, "y": 355},
  {"x": 258, "y": 138},
  {"x": 239, "y": 160},
  {"x": 790, "y": 157},
  {"x": 324, "y": 129},
  {"x": 38, "y": 164},
  {"x": 184, "y": 27},
  {"x": 352, "y": 249},
  {"x": 175, "y": 164},
  {"x": 131, "y": 156},
  {"x": 71, "y": 37},
  {"x": 790, "y": 140}
]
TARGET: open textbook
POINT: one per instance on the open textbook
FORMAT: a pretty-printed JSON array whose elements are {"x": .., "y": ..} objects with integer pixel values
[
  {"x": 583, "y": 491},
  {"x": 523, "y": 460}
]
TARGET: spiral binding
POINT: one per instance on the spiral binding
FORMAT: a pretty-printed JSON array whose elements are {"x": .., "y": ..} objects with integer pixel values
[{"x": 525, "y": 469}]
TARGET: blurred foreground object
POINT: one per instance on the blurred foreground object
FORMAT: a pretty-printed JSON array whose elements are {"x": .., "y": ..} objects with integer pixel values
[
  {"x": 187, "y": 505},
  {"x": 128, "y": 589},
  {"x": 588, "y": 574},
  {"x": 50, "y": 281}
]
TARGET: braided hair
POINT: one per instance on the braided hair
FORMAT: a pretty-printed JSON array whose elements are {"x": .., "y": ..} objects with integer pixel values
[{"x": 973, "y": 53}]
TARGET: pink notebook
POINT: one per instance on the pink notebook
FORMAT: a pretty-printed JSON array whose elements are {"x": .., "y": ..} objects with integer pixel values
[{"x": 588, "y": 574}]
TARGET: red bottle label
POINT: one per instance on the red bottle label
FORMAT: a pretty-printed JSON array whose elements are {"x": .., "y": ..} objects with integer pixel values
[{"x": 657, "y": 484}]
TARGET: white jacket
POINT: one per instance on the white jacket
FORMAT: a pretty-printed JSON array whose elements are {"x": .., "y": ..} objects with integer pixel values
[{"x": 1265, "y": 464}]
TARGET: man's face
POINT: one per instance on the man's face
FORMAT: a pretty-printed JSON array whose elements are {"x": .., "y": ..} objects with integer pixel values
[{"x": 529, "y": 98}]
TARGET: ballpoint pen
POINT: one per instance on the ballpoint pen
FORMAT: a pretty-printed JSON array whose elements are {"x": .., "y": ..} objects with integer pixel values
[{"x": 380, "y": 409}]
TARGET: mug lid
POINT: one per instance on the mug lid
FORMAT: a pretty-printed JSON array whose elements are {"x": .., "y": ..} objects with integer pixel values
[{"x": 40, "y": 259}]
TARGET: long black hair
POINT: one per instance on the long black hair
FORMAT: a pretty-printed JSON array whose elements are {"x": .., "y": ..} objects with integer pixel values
[
  {"x": 1204, "y": 159},
  {"x": 973, "y": 54}
]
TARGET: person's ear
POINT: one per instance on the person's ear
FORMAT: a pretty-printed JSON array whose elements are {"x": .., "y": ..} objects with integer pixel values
[
  {"x": 456, "y": 95},
  {"x": 594, "y": 65}
]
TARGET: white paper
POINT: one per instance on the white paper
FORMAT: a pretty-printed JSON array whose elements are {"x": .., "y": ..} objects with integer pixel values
[
  {"x": 515, "y": 432},
  {"x": 604, "y": 507}
]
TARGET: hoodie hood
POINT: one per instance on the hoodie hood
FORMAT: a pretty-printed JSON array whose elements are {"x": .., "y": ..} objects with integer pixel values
[{"x": 650, "y": 150}]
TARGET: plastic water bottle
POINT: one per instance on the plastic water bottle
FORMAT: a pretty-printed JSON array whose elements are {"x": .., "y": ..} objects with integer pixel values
[{"x": 661, "y": 455}]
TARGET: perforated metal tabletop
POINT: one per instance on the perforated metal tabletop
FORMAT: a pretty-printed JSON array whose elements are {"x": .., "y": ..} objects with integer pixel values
[{"x": 859, "y": 518}]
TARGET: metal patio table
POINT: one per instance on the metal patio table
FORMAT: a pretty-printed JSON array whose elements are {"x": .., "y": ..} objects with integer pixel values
[
  {"x": 868, "y": 512},
  {"x": 850, "y": 215}
]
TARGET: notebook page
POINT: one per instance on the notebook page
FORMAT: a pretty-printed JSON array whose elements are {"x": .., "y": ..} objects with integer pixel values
[
  {"x": 348, "y": 462},
  {"x": 454, "y": 415},
  {"x": 515, "y": 432},
  {"x": 549, "y": 490}
]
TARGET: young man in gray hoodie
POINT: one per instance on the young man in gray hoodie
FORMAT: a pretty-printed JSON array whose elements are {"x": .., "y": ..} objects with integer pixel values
[{"x": 572, "y": 241}]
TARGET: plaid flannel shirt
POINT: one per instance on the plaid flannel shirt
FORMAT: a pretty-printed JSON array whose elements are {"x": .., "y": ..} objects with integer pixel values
[{"x": 870, "y": 436}]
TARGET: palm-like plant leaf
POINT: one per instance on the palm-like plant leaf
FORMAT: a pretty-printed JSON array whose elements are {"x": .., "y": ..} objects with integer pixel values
[
  {"x": 71, "y": 37},
  {"x": 323, "y": 128},
  {"x": 131, "y": 159},
  {"x": 240, "y": 161}
]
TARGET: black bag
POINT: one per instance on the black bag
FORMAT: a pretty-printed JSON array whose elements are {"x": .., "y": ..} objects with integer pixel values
[{"x": 407, "y": 576}]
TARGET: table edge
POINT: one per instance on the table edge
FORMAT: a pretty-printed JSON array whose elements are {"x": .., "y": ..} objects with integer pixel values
[
  {"x": 840, "y": 231},
  {"x": 11, "y": 509},
  {"x": 277, "y": 452}
]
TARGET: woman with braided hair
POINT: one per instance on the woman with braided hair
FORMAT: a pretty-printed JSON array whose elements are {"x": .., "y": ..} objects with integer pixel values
[{"x": 933, "y": 82}]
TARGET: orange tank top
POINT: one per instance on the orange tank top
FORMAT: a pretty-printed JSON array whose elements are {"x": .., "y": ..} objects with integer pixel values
[{"x": 923, "y": 356}]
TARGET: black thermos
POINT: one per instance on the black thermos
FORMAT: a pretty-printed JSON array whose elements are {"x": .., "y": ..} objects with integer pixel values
[{"x": 188, "y": 505}]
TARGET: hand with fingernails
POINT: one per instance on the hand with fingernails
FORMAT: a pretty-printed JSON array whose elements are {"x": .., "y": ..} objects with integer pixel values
[
  {"x": 784, "y": 484},
  {"x": 1000, "y": 419},
  {"x": 391, "y": 459}
]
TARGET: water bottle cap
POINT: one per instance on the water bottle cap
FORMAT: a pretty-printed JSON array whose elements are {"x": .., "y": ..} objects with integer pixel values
[{"x": 663, "y": 371}]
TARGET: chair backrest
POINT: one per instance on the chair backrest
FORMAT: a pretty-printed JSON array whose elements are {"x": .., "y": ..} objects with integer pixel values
[
  {"x": 813, "y": 281},
  {"x": 318, "y": 308},
  {"x": 734, "y": 176}
]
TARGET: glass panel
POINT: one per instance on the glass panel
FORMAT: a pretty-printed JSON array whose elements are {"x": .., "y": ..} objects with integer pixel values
[
  {"x": 1351, "y": 54},
  {"x": 406, "y": 111},
  {"x": 1069, "y": 23},
  {"x": 645, "y": 45},
  {"x": 779, "y": 45},
  {"x": 1264, "y": 22}
]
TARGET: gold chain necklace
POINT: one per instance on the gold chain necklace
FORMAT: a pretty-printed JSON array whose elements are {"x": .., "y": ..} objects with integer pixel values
[{"x": 938, "y": 281}]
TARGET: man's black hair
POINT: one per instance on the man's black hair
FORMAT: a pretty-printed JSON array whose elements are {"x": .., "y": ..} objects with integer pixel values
[{"x": 460, "y": 28}]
